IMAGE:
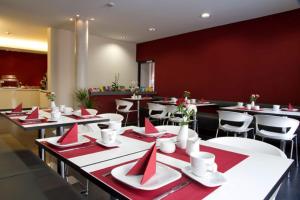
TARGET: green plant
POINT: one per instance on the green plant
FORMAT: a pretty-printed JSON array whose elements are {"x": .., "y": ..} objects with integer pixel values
[
  {"x": 51, "y": 96},
  {"x": 83, "y": 98},
  {"x": 115, "y": 84}
]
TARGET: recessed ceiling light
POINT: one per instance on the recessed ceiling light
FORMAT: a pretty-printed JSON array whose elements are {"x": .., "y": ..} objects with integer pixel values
[
  {"x": 92, "y": 19},
  {"x": 205, "y": 15},
  {"x": 151, "y": 29},
  {"x": 111, "y": 4},
  {"x": 71, "y": 19},
  {"x": 77, "y": 15}
]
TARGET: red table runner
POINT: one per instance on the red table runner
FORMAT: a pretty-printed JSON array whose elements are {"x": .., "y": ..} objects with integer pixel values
[
  {"x": 131, "y": 134},
  {"x": 194, "y": 191},
  {"x": 80, "y": 150},
  {"x": 29, "y": 122}
]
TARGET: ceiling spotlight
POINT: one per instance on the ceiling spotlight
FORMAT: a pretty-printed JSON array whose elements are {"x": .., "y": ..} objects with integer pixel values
[
  {"x": 92, "y": 19},
  {"x": 77, "y": 15},
  {"x": 71, "y": 19},
  {"x": 110, "y": 4},
  {"x": 152, "y": 29},
  {"x": 205, "y": 15}
]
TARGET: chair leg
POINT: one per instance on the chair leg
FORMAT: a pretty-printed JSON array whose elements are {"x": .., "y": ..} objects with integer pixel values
[
  {"x": 296, "y": 146},
  {"x": 126, "y": 119},
  {"x": 292, "y": 145},
  {"x": 217, "y": 132}
]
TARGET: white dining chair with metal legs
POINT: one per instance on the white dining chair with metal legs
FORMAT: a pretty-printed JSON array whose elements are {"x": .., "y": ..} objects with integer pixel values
[
  {"x": 253, "y": 146},
  {"x": 288, "y": 127},
  {"x": 236, "y": 117},
  {"x": 124, "y": 107},
  {"x": 158, "y": 112}
]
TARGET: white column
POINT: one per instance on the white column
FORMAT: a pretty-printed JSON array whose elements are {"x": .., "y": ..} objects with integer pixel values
[{"x": 81, "y": 51}]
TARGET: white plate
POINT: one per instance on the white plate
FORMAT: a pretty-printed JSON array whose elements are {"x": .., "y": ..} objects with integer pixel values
[
  {"x": 164, "y": 175},
  {"x": 115, "y": 144},
  {"x": 24, "y": 118},
  {"x": 81, "y": 140},
  {"x": 83, "y": 116},
  {"x": 212, "y": 180},
  {"x": 142, "y": 132},
  {"x": 292, "y": 110}
]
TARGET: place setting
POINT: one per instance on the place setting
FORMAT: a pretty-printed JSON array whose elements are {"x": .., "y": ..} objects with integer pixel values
[
  {"x": 17, "y": 111},
  {"x": 33, "y": 117},
  {"x": 83, "y": 113}
]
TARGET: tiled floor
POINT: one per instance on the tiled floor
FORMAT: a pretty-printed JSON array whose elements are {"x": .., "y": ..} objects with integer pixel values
[{"x": 289, "y": 189}]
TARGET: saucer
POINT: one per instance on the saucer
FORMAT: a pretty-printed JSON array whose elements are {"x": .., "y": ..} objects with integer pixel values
[
  {"x": 117, "y": 143},
  {"x": 213, "y": 180}
]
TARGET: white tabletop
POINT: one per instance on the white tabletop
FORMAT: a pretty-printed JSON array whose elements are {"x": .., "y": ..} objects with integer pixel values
[
  {"x": 138, "y": 99},
  {"x": 264, "y": 111},
  {"x": 197, "y": 104},
  {"x": 253, "y": 178},
  {"x": 63, "y": 121}
]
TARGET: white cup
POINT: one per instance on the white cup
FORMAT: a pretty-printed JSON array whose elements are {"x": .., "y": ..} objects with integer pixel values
[
  {"x": 167, "y": 147},
  {"x": 192, "y": 145},
  {"x": 139, "y": 96},
  {"x": 68, "y": 110},
  {"x": 276, "y": 108},
  {"x": 115, "y": 125},
  {"x": 257, "y": 107},
  {"x": 193, "y": 100},
  {"x": 55, "y": 115},
  {"x": 108, "y": 136},
  {"x": 203, "y": 163},
  {"x": 173, "y": 99},
  {"x": 240, "y": 104},
  {"x": 62, "y": 108},
  {"x": 248, "y": 106}
]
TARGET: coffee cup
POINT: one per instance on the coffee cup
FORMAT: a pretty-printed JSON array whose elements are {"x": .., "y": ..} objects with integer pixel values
[
  {"x": 167, "y": 147},
  {"x": 203, "y": 163},
  {"x": 115, "y": 125},
  {"x": 108, "y": 136},
  {"x": 257, "y": 107},
  {"x": 62, "y": 108},
  {"x": 55, "y": 115},
  {"x": 193, "y": 100},
  {"x": 240, "y": 104},
  {"x": 192, "y": 145},
  {"x": 68, "y": 110},
  {"x": 276, "y": 108},
  {"x": 248, "y": 106}
]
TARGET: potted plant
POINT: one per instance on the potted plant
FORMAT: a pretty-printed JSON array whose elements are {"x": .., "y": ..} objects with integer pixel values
[
  {"x": 253, "y": 99},
  {"x": 83, "y": 98}
]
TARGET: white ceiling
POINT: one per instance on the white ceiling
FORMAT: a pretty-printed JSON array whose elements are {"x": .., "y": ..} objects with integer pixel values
[{"x": 131, "y": 18}]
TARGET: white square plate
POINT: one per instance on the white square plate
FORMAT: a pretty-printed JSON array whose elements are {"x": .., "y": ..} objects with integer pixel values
[
  {"x": 142, "y": 132},
  {"x": 212, "y": 180},
  {"x": 81, "y": 140},
  {"x": 117, "y": 143},
  {"x": 164, "y": 175},
  {"x": 24, "y": 119}
]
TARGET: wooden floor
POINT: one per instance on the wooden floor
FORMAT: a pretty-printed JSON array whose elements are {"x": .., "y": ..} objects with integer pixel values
[{"x": 290, "y": 188}]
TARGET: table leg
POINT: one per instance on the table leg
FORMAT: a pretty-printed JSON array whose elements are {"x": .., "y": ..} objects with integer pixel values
[
  {"x": 138, "y": 113},
  {"x": 41, "y": 135},
  {"x": 60, "y": 164}
]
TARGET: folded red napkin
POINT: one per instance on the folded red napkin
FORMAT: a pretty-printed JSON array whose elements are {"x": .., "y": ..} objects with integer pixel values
[
  {"x": 19, "y": 108},
  {"x": 34, "y": 114},
  {"x": 70, "y": 136},
  {"x": 84, "y": 111},
  {"x": 290, "y": 107},
  {"x": 149, "y": 128},
  {"x": 146, "y": 165}
]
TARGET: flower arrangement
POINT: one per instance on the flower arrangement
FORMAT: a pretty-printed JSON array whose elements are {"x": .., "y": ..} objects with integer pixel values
[
  {"x": 186, "y": 94},
  {"x": 184, "y": 110},
  {"x": 115, "y": 84},
  {"x": 133, "y": 87},
  {"x": 51, "y": 96},
  {"x": 254, "y": 97},
  {"x": 83, "y": 98}
]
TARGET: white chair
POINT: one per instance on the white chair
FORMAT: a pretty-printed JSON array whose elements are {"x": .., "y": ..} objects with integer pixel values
[
  {"x": 288, "y": 127},
  {"x": 253, "y": 146},
  {"x": 112, "y": 117},
  {"x": 124, "y": 108},
  {"x": 157, "y": 111},
  {"x": 229, "y": 116}
]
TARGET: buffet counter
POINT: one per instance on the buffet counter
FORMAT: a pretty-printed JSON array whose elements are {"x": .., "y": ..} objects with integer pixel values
[{"x": 11, "y": 97}]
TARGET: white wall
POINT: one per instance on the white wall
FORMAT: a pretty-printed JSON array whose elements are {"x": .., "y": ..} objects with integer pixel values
[{"x": 107, "y": 57}]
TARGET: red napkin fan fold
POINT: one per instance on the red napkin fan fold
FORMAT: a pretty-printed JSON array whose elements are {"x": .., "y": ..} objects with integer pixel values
[
  {"x": 149, "y": 128},
  {"x": 34, "y": 114},
  {"x": 84, "y": 111},
  {"x": 70, "y": 136},
  {"x": 19, "y": 108},
  {"x": 145, "y": 166}
]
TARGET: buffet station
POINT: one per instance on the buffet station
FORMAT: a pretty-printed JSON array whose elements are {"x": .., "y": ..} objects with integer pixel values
[{"x": 12, "y": 93}]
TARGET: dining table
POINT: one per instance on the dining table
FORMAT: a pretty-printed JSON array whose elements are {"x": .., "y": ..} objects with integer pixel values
[
  {"x": 138, "y": 106},
  {"x": 198, "y": 104},
  {"x": 41, "y": 126},
  {"x": 248, "y": 174}
]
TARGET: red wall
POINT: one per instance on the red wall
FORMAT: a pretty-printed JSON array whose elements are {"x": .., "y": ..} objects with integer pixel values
[
  {"x": 28, "y": 67},
  {"x": 230, "y": 62}
]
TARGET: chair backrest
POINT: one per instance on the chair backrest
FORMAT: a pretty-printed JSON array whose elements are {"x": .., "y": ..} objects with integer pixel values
[
  {"x": 171, "y": 109},
  {"x": 175, "y": 130},
  {"x": 249, "y": 144},
  {"x": 112, "y": 116},
  {"x": 277, "y": 122},
  {"x": 157, "y": 108},
  {"x": 245, "y": 118},
  {"x": 126, "y": 105},
  {"x": 192, "y": 107}
]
